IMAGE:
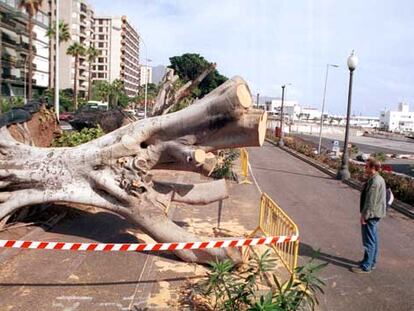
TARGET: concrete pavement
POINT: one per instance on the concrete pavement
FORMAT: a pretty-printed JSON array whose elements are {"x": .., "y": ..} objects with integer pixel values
[
  {"x": 64, "y": 280},
  {"x": 327, "y": 213}
]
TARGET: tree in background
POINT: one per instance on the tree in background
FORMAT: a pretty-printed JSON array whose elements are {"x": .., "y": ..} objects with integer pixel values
[
  {"x": 116, "y": 90},
  {"x": 189, "y": 66},
  {"x": 76, "y": 50},
  {"x": 64, "y": 33},
  {"x": 64, "y": 36},
  {"x": 101, "y": 90},
  {"x": 31, "y": 7},
  {"x": 92, "y": 54}
]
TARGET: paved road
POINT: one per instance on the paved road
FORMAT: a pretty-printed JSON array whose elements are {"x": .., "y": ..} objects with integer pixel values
[
  {"x": 398, "y": 165},
  {"x": 326, "y": 212},
  {"x": 366, "y": 144},
  {"x": 47, "y": 280}
]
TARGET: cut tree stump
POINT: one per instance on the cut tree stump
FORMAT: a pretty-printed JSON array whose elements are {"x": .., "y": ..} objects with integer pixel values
[{"x": 113, "y": 172}]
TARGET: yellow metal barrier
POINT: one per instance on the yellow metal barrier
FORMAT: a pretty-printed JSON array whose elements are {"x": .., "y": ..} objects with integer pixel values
[
  {"x": 244, "y": 155},
  {"x": 274, "y": 221}
]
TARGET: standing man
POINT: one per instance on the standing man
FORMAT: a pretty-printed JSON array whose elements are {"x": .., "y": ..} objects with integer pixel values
[{"x": 372, "y": 208}]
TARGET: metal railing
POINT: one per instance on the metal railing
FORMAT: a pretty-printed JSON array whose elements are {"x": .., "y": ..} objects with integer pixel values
[{"x": 273, "y": 221}]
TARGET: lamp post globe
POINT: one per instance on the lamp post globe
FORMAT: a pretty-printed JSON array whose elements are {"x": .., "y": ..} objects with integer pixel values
[
  {"x": 343, "y": 172},
  {"x": 352, "y": 61}
]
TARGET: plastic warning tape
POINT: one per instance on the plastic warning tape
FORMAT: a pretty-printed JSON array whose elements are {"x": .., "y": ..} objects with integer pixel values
[{"x": 139, "y": 247}]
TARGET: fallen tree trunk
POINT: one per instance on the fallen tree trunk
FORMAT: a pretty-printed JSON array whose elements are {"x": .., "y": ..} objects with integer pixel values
[{"x": 113, "y": 171}]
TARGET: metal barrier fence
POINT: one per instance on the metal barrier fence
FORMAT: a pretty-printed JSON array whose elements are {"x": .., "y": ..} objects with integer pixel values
[{"x": 274, "y": 221}]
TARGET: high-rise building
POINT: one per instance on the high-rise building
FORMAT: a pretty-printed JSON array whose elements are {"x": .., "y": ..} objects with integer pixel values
[
  {"x": 118, "y": 44},
  {"x": 145, "y": 75},
  {"x": 79, "y": 16},
  {"x": 14, "y": 49}
]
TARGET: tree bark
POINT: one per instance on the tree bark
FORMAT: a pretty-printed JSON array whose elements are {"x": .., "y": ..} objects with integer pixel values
[
  {"x": 167, "y": 97},
  {"x": 113, "y": 172}
]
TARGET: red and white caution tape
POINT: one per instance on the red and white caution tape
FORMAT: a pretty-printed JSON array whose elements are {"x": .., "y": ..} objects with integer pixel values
[{"x": 139, "y": 247}]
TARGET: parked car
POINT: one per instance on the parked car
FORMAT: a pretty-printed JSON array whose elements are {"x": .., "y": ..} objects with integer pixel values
[{"x": 66, "y": 116}]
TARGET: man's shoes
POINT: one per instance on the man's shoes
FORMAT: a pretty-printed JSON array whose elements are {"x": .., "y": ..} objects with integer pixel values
[
  {"x": 360, "y": 270},
  {"x": 373, "y": 268}
]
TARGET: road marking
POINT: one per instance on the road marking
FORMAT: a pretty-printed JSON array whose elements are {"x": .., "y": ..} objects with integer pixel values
[{"x": 254, "y": 178}]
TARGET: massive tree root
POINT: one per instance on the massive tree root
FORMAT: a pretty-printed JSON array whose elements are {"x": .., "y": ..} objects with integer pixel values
[{"x": 114, "y": 171}]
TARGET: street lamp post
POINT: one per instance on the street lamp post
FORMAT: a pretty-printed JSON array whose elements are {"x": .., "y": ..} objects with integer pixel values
[
  {"x": 57, "y": 69},
  {"x": 343, "y": 172},
  {"x": 146, "y": 86},
  {"x": 323, "y": 105},
  {"x": 281, "y": 143}
]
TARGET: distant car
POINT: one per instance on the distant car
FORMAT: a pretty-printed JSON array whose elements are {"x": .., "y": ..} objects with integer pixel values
[
  {"x": 363, "y": 157},
  {"x": 96, "y": 105},
  {"x": 66, "y": 116}
]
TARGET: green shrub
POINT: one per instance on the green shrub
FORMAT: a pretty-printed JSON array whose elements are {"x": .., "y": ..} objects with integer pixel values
[
  {"x": 380, "y": 156},
  {"x": 225, "y": 168},
  {"x": 7, "y": 104},
  {"x": 229, "y": 288},
  {"x": 75, "y": 138},
  {"x": 402, "y": 187}
]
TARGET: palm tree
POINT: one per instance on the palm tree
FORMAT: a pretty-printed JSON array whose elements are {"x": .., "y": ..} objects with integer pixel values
[
  {"x": 103, "y": 89},
  {"x": 31, "y": 7},
  {"x": 76, "y": 50},
  {"x": 64, "y": 36},
  {"x": 92, "y": 53},
  {"x": 64, "y": 33},
  {"x": 117, "y": 87}
]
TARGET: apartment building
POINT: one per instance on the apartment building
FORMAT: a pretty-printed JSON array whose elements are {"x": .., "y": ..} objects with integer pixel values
[
  {"x": 145, "y": 75},
  {"x": 80, "y": 18},
  {"x": 118, "y": 44},
  {"x": 14, "y": 46}
]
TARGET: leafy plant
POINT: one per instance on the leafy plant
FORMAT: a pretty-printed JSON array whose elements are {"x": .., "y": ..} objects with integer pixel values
[
  {"x": 225, "y": 167},
  {"x": 229, "y": 288},
  {"x": 71, "y": 139},
  {"x": 12, "y": 102},
  {"x": 380, "y": 156}
]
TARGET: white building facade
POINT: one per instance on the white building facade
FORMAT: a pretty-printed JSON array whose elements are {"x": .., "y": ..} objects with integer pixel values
[
  {"x": 118, "y": 45},
  {"x": 146, "y": 75},
  {"x": 291, "y": 108},
  {"x": 401, "y": 120}
]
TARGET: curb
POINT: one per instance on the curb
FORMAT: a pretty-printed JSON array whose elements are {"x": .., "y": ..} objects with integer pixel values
[{"x": 399, "y": 206}]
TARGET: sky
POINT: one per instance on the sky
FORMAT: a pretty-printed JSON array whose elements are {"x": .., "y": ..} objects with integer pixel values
[{"x": 275, "y": 42}]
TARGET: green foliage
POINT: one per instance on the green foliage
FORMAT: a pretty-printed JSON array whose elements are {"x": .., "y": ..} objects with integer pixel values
[
  {"x": 380, "y": 156},
  {"x": 353, "y": 151},
  {"x": 92, "y": 54},
  {"x": 65, "y": 98},
  {"x": 64, "y": 33},
  {"x": 113, "y": 93},
  {"x": 76, "y": 49},
  {"x": 75, "y": 138},
  {"x": 225, "y": 167},
  {"x": 12, "y": 102},
  {"x": 228, "y": 288},
  {"x": 189, "y": 66},
  {"x": 402, "y": 187}
]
